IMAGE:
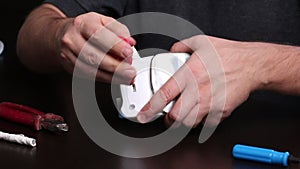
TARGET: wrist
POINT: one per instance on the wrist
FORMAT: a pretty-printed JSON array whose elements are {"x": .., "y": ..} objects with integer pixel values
[
  {"x": 254, "y": 57},
  {"x": 274, "y": 63},
  {"x": 262, "y": 64}
]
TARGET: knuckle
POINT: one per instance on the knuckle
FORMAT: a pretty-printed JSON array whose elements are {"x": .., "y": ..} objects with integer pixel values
[
  {"x": 110, "y": 65},
  {"x": 78, "y": 20},
  {"x": 86, "y": 22},
  {"x": 188, "y": 123},
  {"x": 66, "y": 40},
  {"x": 165, "y": 95},
  {"x": 110, "y": 19},
  {"x": 93, "y": 59},
  {"x": 106, "y": 20},
  {"x": 89, "y": 15},
  {"x": 92, "y": 13},
  {"x": 120, "y": 28}
]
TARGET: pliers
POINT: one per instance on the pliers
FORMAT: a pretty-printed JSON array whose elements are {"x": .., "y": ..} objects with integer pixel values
[{"x": 32, "y": 117}]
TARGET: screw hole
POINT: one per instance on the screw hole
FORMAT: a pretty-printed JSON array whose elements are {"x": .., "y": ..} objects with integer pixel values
[{"x": 132, "y": 106}]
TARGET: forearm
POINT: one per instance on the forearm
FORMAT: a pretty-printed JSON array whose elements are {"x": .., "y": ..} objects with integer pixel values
[
  {"x": 38, "y": 44},
  {"x": 280, "y": 69}
]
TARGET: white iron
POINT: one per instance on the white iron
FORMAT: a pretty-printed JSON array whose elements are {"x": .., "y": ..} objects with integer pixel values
[{"x": 152, "y": 73}]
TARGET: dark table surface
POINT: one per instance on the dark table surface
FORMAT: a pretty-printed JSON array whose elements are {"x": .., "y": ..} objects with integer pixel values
[{"x": 260, "y": 121}]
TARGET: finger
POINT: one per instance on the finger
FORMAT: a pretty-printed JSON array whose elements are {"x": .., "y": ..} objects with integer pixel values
[
  {"x": 95, "y": 57},
  {"x": 159, "y": 100},
  {"x": 125, "y": 71},
  {"x": 118, "y": 28},
  {"x": 106, "y": 62},
  {"x": 86, "y": 52},
  {"x": 89, "y": 72},
  {"x": 120, "y": 80},
  {"x": 115, "y": 26},
  {"x": 107, "y": 41},
  {"x": 192, "y": 44},
  {"x": 213, "y": 118},
  {"x": 201, "y": 108},
  {"x": 102, "y": 37},
  {"x": 128, "y": 40},
  {"x": 187, "y": 100},
  {"x": 73, "y": 41},
  {"x": 169, "y": 122},
  {"x": 194, "y": 117},
  {"x": 181, "y": 47}
]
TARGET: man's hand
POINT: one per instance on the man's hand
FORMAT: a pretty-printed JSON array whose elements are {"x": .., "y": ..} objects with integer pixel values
[
  {"x": 50, "y": 41},
  {"x": 192, "y": 85},
  {"x": 97, "y": 40}
]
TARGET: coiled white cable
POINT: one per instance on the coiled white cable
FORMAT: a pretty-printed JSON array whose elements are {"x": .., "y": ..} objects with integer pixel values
[{"x": 18, "y": 138}]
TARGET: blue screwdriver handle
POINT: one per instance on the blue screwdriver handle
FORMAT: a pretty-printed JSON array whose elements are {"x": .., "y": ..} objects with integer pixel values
[{"x": 260, "y": 154}]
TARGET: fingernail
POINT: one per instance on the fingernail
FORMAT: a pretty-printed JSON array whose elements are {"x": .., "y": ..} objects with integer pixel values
[
  {"x": 128, "y": 40},
  {"x": 142, "y": 118},
  {"x": 146, "y": 107},
  {"x": 132, "y": 81},
  {"x": 125, "y": 39},
  {"x": 127, "y": 52}
]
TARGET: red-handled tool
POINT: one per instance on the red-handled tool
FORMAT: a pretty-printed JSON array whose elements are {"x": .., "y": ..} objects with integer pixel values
[{"x": 32, "y": 117}]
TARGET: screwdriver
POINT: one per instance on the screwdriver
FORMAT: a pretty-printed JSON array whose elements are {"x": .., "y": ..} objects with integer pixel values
[{"x": 263, "y": 155}]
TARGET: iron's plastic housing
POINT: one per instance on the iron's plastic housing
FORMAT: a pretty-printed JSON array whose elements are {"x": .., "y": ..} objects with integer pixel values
[{"x": 152, "y": 73}]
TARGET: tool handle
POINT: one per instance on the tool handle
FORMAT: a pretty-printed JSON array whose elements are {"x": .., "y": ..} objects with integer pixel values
[
  {"x": 15, "y": 113},
  {"x": 31, "y": 117},
  {"x": 21, "y": 108},
  {"x": 260, "y": 154}
]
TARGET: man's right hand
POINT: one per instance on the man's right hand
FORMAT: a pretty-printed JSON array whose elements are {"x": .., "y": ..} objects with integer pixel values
[
  {"x": 97, "y": 41},
  {"x": 49, "y": 41}
]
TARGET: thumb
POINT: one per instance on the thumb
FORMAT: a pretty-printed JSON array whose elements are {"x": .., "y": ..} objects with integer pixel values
[{"x": 181, "y": 47}]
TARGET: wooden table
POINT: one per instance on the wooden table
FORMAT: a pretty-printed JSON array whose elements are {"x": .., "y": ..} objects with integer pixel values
[{"x": 260, "y": 121}]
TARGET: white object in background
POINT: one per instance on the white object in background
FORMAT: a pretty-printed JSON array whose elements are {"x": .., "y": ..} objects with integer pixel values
[
  {"x": 1, "y": 47},
  {"x": 152, "y": 73},
  {"x": 18, "y": 138}
]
